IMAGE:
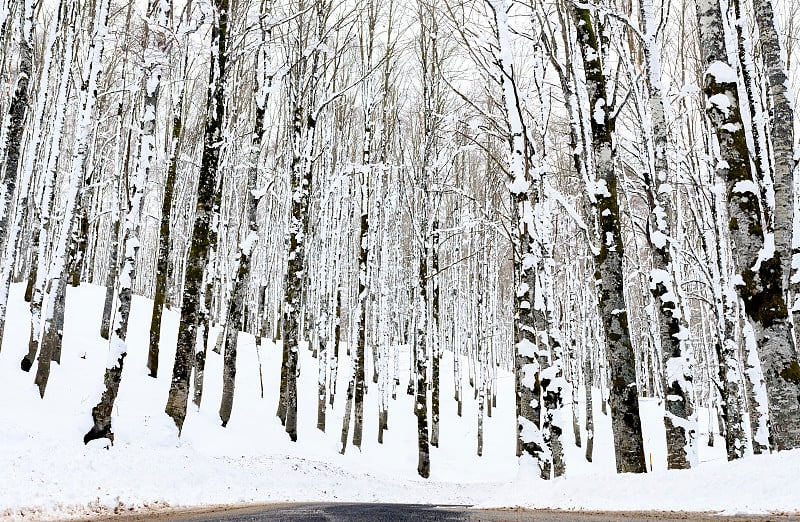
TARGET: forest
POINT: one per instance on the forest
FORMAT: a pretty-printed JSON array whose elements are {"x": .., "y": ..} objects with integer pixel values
[{"x": 585, "y": 195}]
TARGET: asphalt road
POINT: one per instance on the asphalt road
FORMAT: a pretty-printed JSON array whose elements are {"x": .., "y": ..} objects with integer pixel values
[{"x": 330, "y": 512}]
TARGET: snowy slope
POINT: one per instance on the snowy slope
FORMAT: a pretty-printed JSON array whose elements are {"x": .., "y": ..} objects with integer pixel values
[{"x": 47, "y": 472}]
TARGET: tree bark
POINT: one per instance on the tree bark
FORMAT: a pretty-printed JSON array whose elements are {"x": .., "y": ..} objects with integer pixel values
[
  {"x": 760, "y": 258},
  {"x": 680, "y": 420},
  {"x": 158, "y": 16},
  {"x": 204, "y": 231},
  {"x": 85, "y": 120},
  {"x": 624, "y": 394}
]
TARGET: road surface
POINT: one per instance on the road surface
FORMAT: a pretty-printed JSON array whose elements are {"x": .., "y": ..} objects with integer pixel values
[{"x": 332, "y": 512}]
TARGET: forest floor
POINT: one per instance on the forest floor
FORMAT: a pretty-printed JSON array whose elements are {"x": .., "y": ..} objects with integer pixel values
[{"x": 46, "y": 472}]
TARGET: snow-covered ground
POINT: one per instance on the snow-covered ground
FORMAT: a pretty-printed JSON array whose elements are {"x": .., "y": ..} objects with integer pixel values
[{"x": 47, "y": 472}]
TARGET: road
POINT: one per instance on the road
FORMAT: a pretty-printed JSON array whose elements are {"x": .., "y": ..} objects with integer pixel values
[{"x": 331, "y": 512}]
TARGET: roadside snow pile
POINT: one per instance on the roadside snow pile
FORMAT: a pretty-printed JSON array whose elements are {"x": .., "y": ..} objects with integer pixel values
[
  {"x": 68, "y": 483},
  {"x": 755, "y": 485},
  {"x": 46, "y": 472}
]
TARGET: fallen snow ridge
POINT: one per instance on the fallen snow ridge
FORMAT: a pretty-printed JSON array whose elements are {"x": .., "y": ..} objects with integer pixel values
[{"x": 47, "y": 473}]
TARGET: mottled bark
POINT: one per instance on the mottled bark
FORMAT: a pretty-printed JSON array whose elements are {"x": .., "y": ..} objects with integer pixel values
[
  {"x": 337, "y": 337},
  {"x": 623, "y": 394},
  {"x": 23, "y": 211},
  {"x": 204, "y": 231},
  {"x": 760, "y": 275},
  {"x": 162, "y": 263},
  {"x": 237, "y": 307},
  {"x": 436, "y": 347},
  {"x": 301, "y": 177},
  {"x": 420, "y": 367},
  {"x": 322, "y": 388},
  {"x": 730, "y": 406},
  {"x": 52, "y": 332},
  {"x": 531, "y": 440},
  {"x": 51, "y": 341},
  {"x": 42, "y": 221},
  {"x": 16, "y": 114},
  {"x": 679, "y": 417},
  {"x": 158, "y": 13},
  {"x": 80, "y": 243},
  {"x": 781, "y": 121},
  {"x": 587, "y": 375},
  {"x": 363, "y": 253}
]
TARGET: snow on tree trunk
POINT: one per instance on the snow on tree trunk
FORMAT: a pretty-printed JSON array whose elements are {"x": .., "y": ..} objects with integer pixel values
[
  {"x": 363, "y": 250},
  {"x": 552, "y": 373},
  {"x": 17, "y": 112},
  {"x": 781, "y": 119},
  {"x": 421, "y": 361},
  {"x": 19, "y": 104},
  {"x": 156, "y": 47},
  {"x": 531, "y": 440},
  {"x": 83, "y": 129},
  {"x": 43, "y": 220},
  {"x": 301, "y": 177},
  {"x": 680, "y": 420},
  {"x": 163, "y": 252},
  {"x": 236, "y": 310},
  {"x": 727, "y": 345},
  {"x": 587, "y": 375},
  {"x": 759, "y": 258},
  {"x": 435, "y": 345},
  {"x": 623, "y": 395},
  {"x": 111, "y": 276},
  {"x": 193, "y": 322}
]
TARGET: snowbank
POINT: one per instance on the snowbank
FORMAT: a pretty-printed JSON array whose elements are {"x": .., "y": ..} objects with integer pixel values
[{"x": 47, "y": 473}]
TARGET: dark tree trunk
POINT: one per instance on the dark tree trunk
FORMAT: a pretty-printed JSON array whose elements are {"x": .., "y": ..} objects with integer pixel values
[
  {"x": 624, "y": 393},
  {"x": 420, "y": 369},
  {"x": 436, "y": 355},
  {"x": 16, "y": 115},
  {"x": 162, "y": 264},
  {"x": 303, "y": 127},
  {"x": 204, "y": 232},
  {"x": 237, "y": 309}
]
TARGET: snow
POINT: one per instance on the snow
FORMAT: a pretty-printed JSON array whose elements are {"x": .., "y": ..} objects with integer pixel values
[
  {"x": 722, "y": 72},
  {"x": 745, "y": 186},
  {"x": 599, "y": 113},
  {"x": 601, "y": 189},
  {"x": 658, "y": 238},
  {"x": 766, "y": 252},
  {"x": 48, "y": 473},
  {"x": 525, "y": 348},
  {"x": 722, "y": 102}
]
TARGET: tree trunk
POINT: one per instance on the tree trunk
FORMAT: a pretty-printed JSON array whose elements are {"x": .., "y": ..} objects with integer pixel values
[
  {"x": 624, "y": 393},
  {"x": 44, "y": 220},
  {"x": 760, "y": 275},
  {"x": 204, "y": 232},
  {"x": 237, "y": 309},
  {"x": 85, "y": 122},
  {"x": 158, "y": 15},
  {"x": 303, "y": 127},
  {"x": 531, "y": 439},
  {"x": 16, "y": 114},
  {"x": 163, "y": 253},
  {"x": 680, "y": 420},
  {"x": 421, "y": 370}
]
